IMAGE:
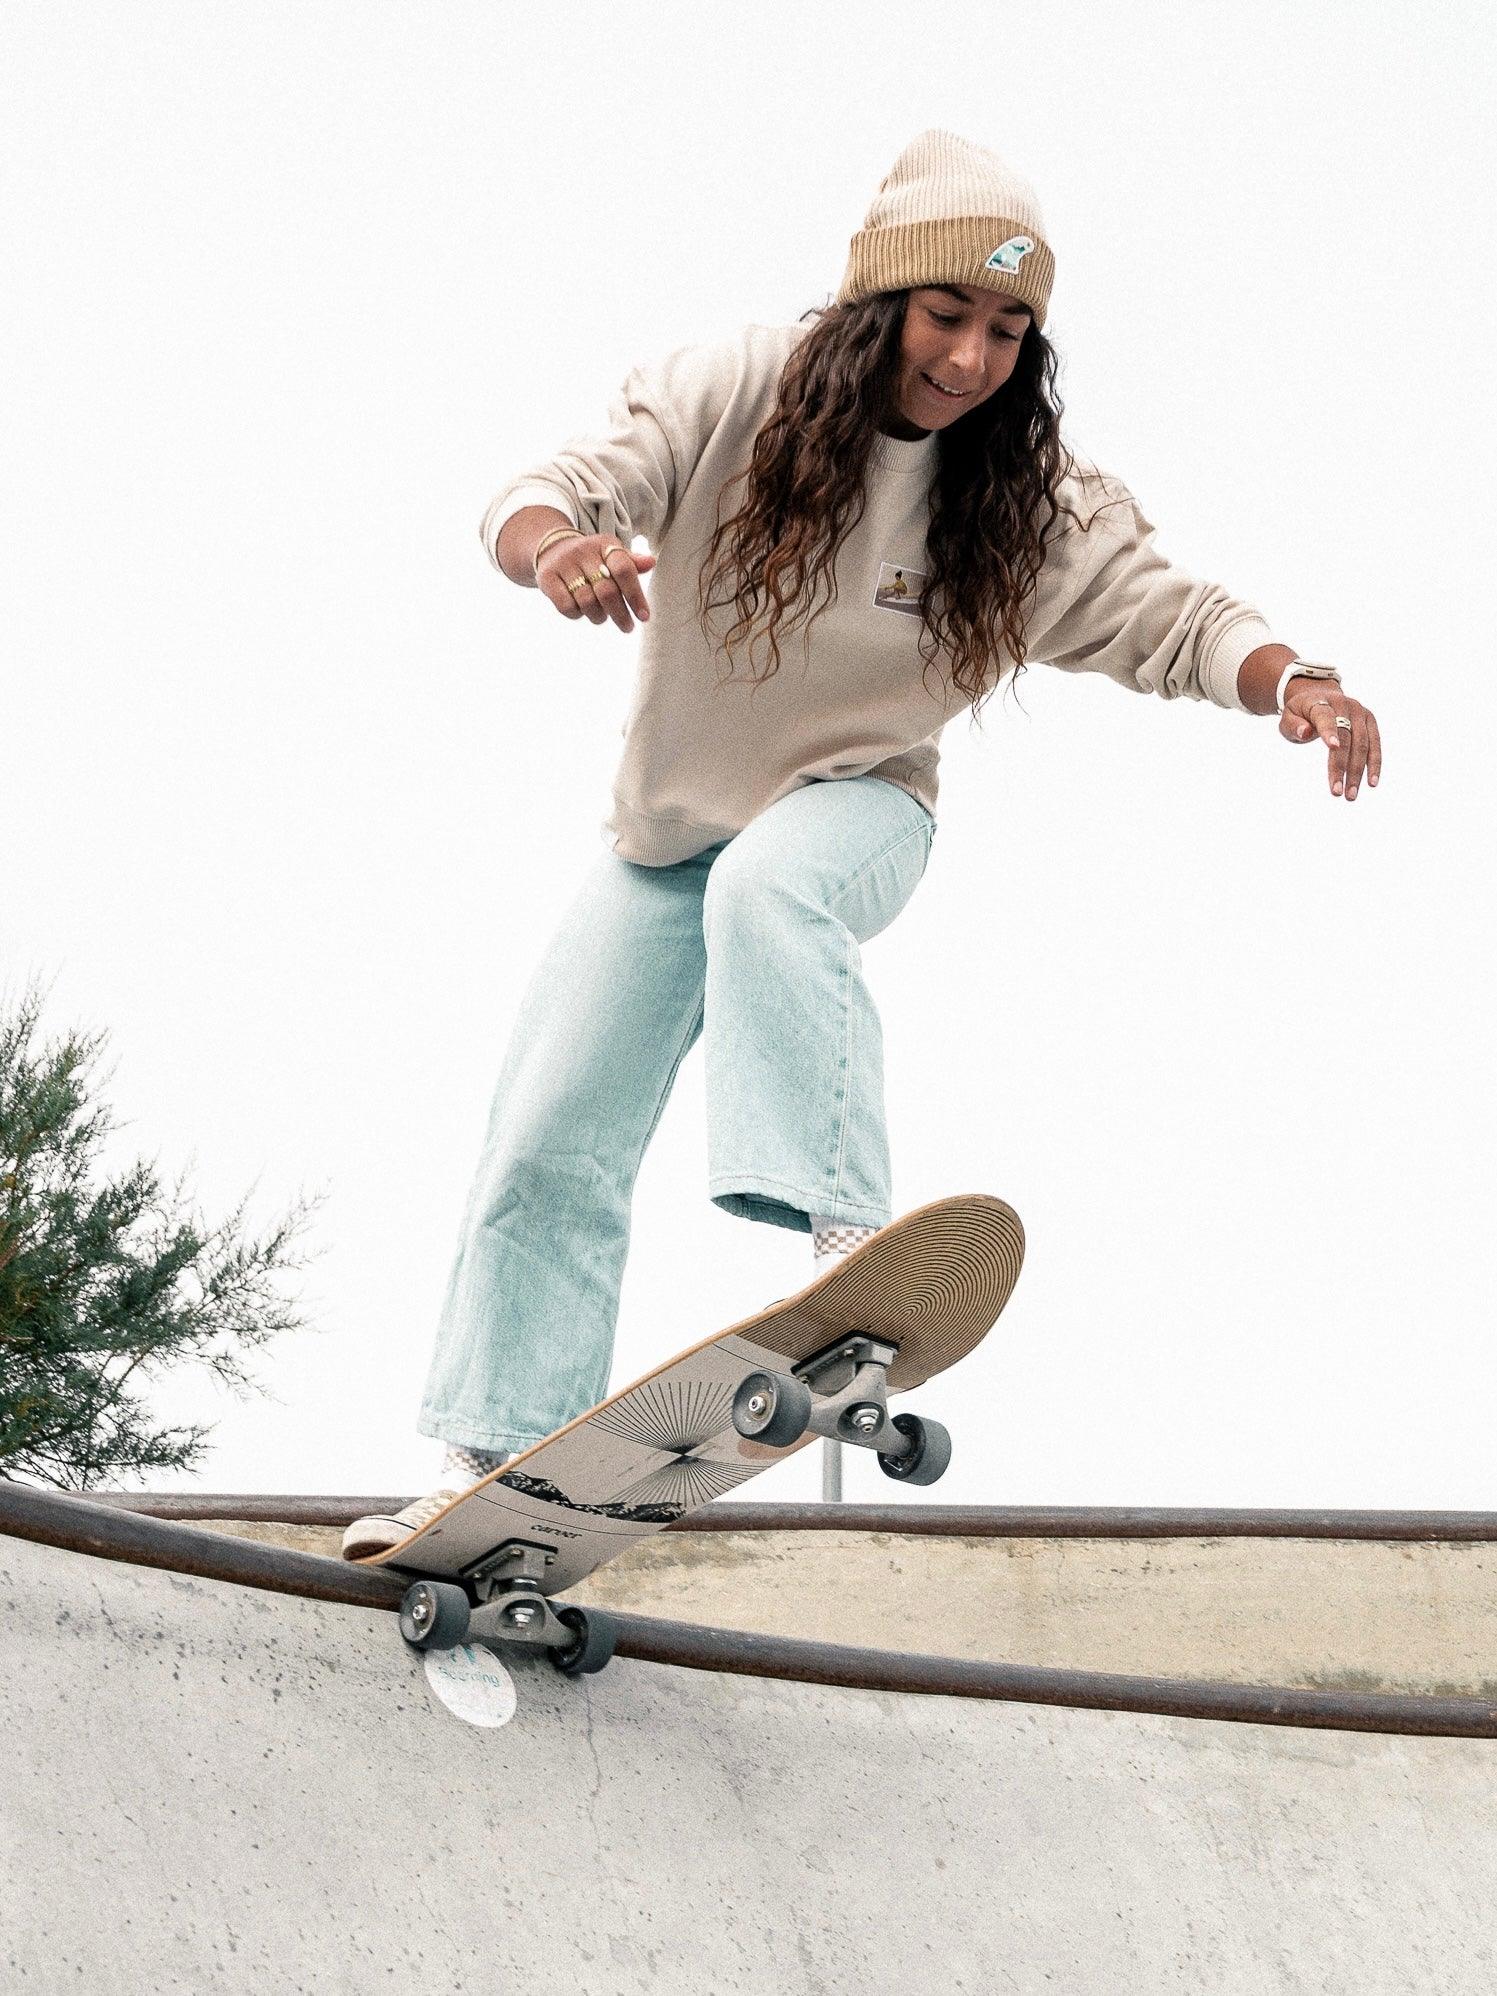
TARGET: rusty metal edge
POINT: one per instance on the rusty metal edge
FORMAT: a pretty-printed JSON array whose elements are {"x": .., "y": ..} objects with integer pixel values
[
  {"x": 747, "y": 1654},
  {"x": 934, "y": 1520},
  {"x": 110, "y": 1531}
]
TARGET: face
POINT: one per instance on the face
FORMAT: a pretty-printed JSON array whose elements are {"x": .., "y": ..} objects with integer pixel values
[{"x": 964, "y": 338}]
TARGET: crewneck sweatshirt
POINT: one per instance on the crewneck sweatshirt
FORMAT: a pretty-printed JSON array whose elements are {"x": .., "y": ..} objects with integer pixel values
[{"x": 705, "y": 750}]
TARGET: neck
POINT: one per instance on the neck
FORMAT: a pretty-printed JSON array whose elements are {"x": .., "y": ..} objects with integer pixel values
[{"x": 904, "y": 430}]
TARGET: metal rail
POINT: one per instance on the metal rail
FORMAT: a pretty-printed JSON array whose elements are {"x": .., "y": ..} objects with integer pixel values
[
  {"x": 119, "y": 1531},
  {"x": 984, "y": 1521}
]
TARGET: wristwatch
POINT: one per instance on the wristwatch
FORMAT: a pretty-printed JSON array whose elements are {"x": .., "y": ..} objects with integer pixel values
[{"x": 1302, "y": 668}]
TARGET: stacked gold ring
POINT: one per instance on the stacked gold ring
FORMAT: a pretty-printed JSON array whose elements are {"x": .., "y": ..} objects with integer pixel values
[{"x": 604, "y": 572}]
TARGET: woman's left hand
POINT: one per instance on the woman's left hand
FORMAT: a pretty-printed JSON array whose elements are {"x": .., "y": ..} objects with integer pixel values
[{"x": 1313, "y": 707}]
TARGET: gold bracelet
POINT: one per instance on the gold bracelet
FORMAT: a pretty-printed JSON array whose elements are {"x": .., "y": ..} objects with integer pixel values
[{"x": 556, "y": 533}]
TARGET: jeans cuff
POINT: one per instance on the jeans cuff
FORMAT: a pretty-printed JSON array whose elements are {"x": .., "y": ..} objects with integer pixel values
[{"x": 750, "y": 1196}]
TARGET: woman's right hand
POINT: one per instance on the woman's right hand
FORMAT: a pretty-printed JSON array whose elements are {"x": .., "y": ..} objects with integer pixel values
[{"x": 600, "y": 596}]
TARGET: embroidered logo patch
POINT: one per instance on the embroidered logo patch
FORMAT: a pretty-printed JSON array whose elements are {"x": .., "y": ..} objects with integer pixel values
[
  {"x": 898, "y": 588},
  {"x": 1009, "y": 255}
]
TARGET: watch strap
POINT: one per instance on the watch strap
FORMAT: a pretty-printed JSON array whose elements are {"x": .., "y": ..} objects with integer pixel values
[{"x": 1302, "y": 668}]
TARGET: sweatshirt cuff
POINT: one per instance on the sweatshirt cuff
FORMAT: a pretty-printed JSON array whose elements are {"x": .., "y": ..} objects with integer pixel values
[
  {"x": 1237, "y": 641},
  {"x": 515, "y": 501}
]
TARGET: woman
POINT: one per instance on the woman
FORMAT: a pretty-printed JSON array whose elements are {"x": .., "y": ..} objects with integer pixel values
[{"x": 906, "y": 496}]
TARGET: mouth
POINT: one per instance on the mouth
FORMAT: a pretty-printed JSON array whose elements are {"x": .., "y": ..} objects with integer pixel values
[{"x": 942, "y": 394}]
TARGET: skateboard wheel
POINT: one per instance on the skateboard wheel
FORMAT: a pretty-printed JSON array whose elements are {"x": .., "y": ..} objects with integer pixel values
[
  {"x": 773, "y": 1408},
  {"x": 434, "y": 1615},
  {"x": 927, "y": 1460},
  {"x": 597, "y": 1634}
]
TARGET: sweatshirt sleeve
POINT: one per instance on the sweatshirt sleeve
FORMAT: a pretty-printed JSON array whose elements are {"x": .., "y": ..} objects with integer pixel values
[
  {"x": 1145, "y": 623},
  {"x": 623, "y": 477}
]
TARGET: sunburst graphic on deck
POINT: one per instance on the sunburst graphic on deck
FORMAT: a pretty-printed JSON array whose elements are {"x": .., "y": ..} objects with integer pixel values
[
  {"x": 673, "y": 1415},
  {"x": 688, "y": 1481},
  {"x": 677, "y": 1417}
]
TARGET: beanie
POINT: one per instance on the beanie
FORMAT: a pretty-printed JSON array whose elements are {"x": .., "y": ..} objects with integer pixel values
[{"x": 950, "y": 212}]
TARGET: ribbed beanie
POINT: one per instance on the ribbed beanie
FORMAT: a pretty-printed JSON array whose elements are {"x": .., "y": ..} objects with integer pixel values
[{"x": 950, "y": 212}]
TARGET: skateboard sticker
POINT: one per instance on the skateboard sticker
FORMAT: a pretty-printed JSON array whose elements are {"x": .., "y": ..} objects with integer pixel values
[{"x": 473, "y": 1684}]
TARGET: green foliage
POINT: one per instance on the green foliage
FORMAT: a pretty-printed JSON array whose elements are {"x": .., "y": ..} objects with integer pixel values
[{"x": 103, "y": 1283}]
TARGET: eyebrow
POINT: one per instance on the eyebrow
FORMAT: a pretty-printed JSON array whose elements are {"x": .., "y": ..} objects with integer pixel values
[{"x": 1008, "y": 311}]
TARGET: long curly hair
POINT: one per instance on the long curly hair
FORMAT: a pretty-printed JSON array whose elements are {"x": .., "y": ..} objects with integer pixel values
[{"x": 998, "y": 469}]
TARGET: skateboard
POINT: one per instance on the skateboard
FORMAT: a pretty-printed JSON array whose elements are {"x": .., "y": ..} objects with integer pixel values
[{"x": 904, "y": 1305}]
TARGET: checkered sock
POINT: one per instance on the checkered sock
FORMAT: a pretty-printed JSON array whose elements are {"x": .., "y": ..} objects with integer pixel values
[
  {"x": 832, "y": 1239},
  {"x": 471, "y": 1462}
]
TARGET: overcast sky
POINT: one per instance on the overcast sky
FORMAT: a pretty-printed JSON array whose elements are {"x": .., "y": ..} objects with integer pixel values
[{"x": 297, "y": 786}]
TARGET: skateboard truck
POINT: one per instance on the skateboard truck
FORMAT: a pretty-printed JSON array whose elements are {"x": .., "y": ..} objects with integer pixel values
[
  {"x": 511, "y": 1608},
  {"x": 842, "y": 1392}
]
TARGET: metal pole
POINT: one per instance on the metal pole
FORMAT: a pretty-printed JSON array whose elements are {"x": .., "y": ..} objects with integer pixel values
[{"x": 831, "y": 1470}]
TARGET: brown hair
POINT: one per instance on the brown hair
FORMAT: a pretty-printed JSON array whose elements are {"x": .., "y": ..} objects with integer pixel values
[{"x": 996, "y": 469}]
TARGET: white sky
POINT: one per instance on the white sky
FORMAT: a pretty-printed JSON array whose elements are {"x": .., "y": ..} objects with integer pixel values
[{"x": 297, "y": 787}]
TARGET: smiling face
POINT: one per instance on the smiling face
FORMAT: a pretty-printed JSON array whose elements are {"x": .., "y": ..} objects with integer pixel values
[{"x": 961, "y": 337}]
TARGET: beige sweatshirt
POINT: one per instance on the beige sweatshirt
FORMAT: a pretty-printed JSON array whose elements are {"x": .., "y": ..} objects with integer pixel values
[{"x": 705, "y": 752}]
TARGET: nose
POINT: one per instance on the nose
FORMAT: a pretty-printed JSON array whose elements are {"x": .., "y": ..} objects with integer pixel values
[{"x": 965, "y": 364}]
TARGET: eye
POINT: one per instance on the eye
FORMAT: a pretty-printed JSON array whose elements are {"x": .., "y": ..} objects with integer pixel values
[{"x": 949, "y": 319}]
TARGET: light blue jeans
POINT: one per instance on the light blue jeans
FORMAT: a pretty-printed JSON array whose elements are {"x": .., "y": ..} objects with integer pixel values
[{"x": 751, "y": 945}]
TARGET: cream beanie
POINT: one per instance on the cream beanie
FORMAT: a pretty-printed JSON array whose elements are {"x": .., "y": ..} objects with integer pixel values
[{"x": 950, "y": 212}]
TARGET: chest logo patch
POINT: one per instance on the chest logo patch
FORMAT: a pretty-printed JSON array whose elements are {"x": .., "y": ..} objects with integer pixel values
[{"x": 898, "y": 588}]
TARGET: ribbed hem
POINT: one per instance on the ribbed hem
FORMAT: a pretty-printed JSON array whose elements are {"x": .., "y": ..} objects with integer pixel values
[
  {"x": 904, "y": 457},
  {"x": 514, "y": 500},
  {"x": 1237, "y": 642},
  {"x": 660, "y": 840}
]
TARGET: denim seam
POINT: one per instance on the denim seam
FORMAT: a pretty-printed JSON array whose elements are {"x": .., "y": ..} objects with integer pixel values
[
  {"x": 915, "y": 832},
  {"x": 670, "y": 1080},
  {"x": 851, "y": 945},
  {"x": 894, "y": 845}
]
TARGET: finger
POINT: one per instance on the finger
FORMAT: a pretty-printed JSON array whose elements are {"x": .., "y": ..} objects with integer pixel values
[
  {"x": 609, "y": 592},
  {"x": 1356, "y": 755},
  {"x": 582, "y": 595},
  {"x": 1374, "y": 749},
  {"x": 623, "y": 566},
  {"x": 552, "y": 586},
  {"x": 1336, "y": 762},
  {"x": 1317, "y": 722},
  {"x": 1324, "y": 717}
]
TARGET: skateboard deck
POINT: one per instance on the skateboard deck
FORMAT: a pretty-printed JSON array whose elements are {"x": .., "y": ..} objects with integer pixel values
[{"x": 932, "y": 1284}]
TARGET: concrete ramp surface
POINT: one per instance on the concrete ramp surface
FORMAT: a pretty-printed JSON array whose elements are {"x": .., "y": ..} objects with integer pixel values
[{"x": 215, "y": 1788}]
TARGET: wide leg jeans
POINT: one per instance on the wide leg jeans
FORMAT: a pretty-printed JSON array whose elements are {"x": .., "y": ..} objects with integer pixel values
[{"x": 751, "y": 945}]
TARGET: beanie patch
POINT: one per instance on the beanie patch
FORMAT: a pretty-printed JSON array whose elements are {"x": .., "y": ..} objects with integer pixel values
[{"x": 1009, "y": 255}]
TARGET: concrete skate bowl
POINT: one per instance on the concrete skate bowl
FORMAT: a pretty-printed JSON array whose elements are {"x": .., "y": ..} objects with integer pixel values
[{"x": 226, "y": 1771}]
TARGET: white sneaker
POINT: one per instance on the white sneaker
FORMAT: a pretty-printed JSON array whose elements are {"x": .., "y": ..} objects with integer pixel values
[{"x": 381, "y": 1530}]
